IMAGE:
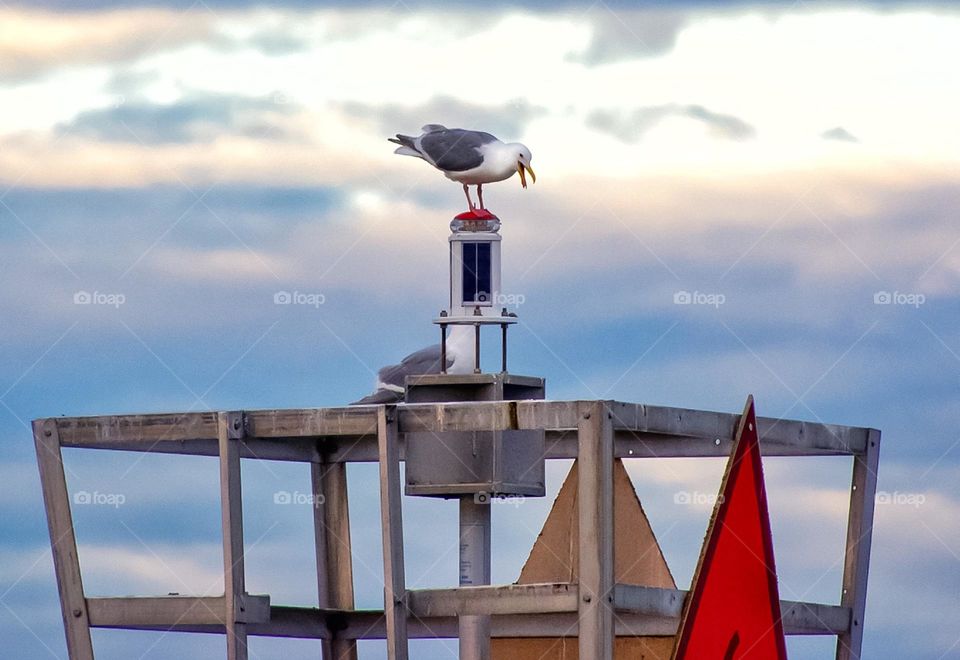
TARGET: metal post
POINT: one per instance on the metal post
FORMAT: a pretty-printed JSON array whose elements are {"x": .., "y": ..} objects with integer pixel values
[
  {"x": 476, "y": 349},
  {"x": 503, "y": 344},
  {"x": 474, "y": 570},
  {"x": 443, "y": 348}
]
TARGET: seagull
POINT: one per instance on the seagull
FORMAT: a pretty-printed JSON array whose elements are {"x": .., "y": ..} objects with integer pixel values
[
  {"x": 469, "y": 157},
  {"x": 391, "y": 380}
]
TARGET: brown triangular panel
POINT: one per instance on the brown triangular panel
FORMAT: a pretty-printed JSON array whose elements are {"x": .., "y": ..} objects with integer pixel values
[{"x": 555, "y": 558}]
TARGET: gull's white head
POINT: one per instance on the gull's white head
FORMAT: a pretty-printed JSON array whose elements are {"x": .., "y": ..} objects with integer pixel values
[{"x": 522, "y": 158}]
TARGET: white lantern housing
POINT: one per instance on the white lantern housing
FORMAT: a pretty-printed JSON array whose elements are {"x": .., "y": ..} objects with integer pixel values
[{"x": 475, "y": 297}]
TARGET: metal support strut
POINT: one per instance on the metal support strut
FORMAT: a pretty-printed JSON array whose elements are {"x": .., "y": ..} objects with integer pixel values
[
  {"x": 503, "y": 350},
  {"x": 443, "y": 348},
  {"x": 474, "y": 571},
  {"x": 476, "y": 349}
]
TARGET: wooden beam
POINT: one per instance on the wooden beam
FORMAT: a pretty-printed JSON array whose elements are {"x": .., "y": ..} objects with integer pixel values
[
  {"x": 595, "y": 510},
  {"x": 391, "y": 517},
  {"x": 320, "y": 545},
  {"x": 863, "y": 492},
  {"x": 66, "y": 563},
  {"x": 641, "y": 611},
  {"x": 172, "y": 611},
  {"x": 230, "y": 430},
  {"x": 349, "y": 434},
  {"x": 507, "y": 599},
  {"x": 775, "y": 434},
  {"x": 799, "y": 618},
  {"x": 334, "y": 561}
]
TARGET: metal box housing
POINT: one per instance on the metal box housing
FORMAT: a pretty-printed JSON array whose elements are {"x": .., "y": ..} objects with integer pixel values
[{"x": 481, "y": 463}]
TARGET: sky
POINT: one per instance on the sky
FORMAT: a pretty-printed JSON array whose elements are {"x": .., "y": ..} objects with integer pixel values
[{"x": 167, "y": 168}]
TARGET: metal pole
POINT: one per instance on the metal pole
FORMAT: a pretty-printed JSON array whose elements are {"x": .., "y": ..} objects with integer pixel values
[
  {"x": 475, "y": 570},
  {"x": 503, "y": 342},
  {"x": 443, "y": 348},
  {"x": 476, "y": 349}
]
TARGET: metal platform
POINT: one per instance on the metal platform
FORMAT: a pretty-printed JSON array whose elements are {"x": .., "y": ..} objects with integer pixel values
[{"x": 328, "y": 438}]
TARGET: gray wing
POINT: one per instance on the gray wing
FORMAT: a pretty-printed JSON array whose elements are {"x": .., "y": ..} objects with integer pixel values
[
  {"x": 455, "y": 149},
  {"x": 378, "y": 397},
  {"x": 424, "y": 361}
]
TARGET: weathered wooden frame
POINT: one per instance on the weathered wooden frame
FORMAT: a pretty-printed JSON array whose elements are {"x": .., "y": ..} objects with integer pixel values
[{"x": 595, "y": 610}]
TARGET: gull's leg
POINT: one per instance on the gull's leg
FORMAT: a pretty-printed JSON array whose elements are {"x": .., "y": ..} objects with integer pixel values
[
  {"x": 466, "y": 191},
  {"x": 480, "y": 195}
]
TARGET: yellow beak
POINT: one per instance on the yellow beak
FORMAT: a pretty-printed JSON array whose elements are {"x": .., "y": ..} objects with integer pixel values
[{"x": 521, "y": 169}]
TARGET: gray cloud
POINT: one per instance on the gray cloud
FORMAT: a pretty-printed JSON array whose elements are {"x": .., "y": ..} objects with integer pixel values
[
  {"x": 840, "y": 134},
  {"x": 631, "y": 126},
  {"x": 116, "y": 41},
  {"x": 75, "y": 5},
  {"x": 630, "y": 34},
  {"x": 506, "y": 121},
  {"x": 196, "y": 119},
  {"x": 277, "y": 42}
]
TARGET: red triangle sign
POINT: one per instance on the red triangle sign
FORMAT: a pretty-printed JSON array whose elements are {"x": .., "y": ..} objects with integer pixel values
[{"x": 733, "y": 609}]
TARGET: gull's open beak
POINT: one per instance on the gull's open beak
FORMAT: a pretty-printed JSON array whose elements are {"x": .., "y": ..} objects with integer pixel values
[{"x": 521, "y": 169}]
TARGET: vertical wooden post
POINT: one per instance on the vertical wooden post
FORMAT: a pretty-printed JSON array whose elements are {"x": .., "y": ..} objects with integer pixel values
[
  {"x": 320, "y": 542},
  {"x": 229, "y": 432},
  {"x": 66, "y": 563},
  {"x": 391, "y": 516},
  {"x": 595, "y": 502},
  {"x": 859, "y": 534},
  {"x": 331, "y": 526}
]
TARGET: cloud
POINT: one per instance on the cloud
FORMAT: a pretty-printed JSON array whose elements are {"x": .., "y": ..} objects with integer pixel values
[
  {"x": 632, "y": 126},
  {"x": 415, "y": 4},
  {"x": 620, "y": 35},
  {"x": 277, "y": 42},
  {"x": 506, "y": 120},
  {"x": 59, "y": 40},
  {"x": 196, "y": 119},
  {"x": 840, "y": 134},
  {"x": 248, "y": 146}
]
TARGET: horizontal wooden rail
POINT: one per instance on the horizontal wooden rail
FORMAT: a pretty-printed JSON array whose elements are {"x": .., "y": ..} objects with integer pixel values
[
  {"x": 168, "y": 611},
  {"x": 533, "y": 610},
  {"x": 348, "y": 434}
]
